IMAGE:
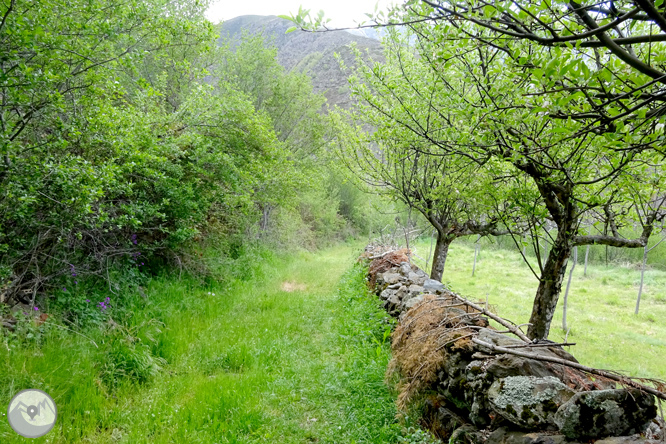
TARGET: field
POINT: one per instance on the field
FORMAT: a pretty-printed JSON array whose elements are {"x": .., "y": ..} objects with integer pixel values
[{"x": 600, "y": 310}]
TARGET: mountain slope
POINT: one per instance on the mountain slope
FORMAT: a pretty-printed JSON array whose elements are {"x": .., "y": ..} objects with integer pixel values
[{"x": 309, "y": 52}]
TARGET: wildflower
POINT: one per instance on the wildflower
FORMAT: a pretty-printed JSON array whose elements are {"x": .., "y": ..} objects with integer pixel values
[
  {"x": 87, "y": 300},
  {"x": 64, "y": 289},
  {"x": 36, "y": 308}
]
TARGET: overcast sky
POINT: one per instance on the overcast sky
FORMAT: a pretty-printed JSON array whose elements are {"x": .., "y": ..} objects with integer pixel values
[{"x": 341, "y": 12}]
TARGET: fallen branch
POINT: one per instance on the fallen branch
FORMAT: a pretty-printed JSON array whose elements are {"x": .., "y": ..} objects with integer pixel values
[
  {"x": 545, "y": 344},
  {"x": 379, "y": 256},
  {"x": 603, "y": 373},
  {"x": 512, "y": 328}
]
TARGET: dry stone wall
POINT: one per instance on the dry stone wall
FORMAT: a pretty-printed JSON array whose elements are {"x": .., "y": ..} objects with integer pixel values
[{"x": 471, "y": 394}]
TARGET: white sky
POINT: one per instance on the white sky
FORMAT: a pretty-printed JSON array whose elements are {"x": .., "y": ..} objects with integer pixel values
[{"x": 341, "y": 12}]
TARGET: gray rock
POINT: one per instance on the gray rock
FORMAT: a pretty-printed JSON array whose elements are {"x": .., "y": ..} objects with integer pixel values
[
  {"x": 405, "y": 269},
  {"x": 512, "y": 365},
  {"x": 529, "y": 402},
  {"x": 402, "y": 293},
  {"x": 392, "y": 303},
  {"x": 391, "y": 278},
  {"x": 411, "y": 302},
  {"x": 504, "y": 436},
  {"x": 386, "y": 294},
  {"x": 417, "y": 278},
  {"x": 415, "y": 289},
  {"x": 601, "y": 413},
  {"x": 433, "y": 285},
  {"x": 634, "y": 439}
]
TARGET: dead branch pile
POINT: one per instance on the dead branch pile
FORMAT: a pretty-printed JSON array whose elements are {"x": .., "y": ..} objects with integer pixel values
[
  {"x": 423, "y": 339},
  {"x": 385, "y": 261}
]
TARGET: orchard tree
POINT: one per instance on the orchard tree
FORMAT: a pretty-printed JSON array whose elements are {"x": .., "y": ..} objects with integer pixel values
[
  {"x": 506, "y": 100},
  {"x": 451, "y": 192}
]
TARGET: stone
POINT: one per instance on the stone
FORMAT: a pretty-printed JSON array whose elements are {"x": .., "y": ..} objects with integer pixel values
[
  {"x": 417, "y": 278},
  {"x": 415, "y": 289},
  {"x": 511, "y": 365},
  {"x": 391, "y": 278},
  {"x": 528, "y": 401},
  {"x": 433, "y": 285},
  {"x": 504, "y": 436},
  {"x": 634, "y": 439},
  {"x": 601, "y": 413},
  {"x": 405, "y": 269},
  {"x": 402, "y": 293},
  {"x": 411, "y": 302},
  {"x": 392, "y": 303},
  {"x": 386, "y": 294}
]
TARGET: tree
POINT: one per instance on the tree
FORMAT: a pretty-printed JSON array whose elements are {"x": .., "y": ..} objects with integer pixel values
[
  {"x": 449, "y": 191},
  {"x": 502, "y": 102}
]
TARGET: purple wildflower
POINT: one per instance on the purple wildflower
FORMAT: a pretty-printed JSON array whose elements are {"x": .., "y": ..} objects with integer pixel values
[
  {"x": 87, "y": 300},
  {"x": 36, "y": 308},
  {"x": 134, "y": 241}
]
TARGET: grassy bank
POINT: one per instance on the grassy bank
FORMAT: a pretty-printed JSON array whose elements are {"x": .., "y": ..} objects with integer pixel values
[
  {"x": 296, "y": 355},
  {"x": 600, "y": 309}
]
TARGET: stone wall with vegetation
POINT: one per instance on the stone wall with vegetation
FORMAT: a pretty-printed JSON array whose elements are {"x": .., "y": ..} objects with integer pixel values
[{"x": 473, "y": 383}]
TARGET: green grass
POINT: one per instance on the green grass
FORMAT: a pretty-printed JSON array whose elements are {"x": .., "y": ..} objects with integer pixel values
[
  {"x": 251, "y": 364},
  {"x": 600, "y": 309}
]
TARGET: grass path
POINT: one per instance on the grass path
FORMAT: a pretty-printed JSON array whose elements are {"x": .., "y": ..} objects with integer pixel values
[{"x": 250, "y": 364}]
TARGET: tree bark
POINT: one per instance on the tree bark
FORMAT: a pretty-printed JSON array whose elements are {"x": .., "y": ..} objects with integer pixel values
[
  {"x": 550, "y": 286},
  {"x": 439, "y": 258}
]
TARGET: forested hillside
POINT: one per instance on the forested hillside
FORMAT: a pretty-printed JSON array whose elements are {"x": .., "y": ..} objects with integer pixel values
[{"x": 313, "y": 54}]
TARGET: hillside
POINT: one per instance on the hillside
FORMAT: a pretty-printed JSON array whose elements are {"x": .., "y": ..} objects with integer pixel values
[{"x": 305, "y": 51}]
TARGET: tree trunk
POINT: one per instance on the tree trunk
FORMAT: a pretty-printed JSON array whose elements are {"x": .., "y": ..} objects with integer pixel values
[
  {"x": 640, "y": 289},
  {"x": 439, "y": 258},
  {"x": 550, "y": 286}
]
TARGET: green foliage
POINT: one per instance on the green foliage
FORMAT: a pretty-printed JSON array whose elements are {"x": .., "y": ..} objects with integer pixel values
[{"x": 141, "y": 144}]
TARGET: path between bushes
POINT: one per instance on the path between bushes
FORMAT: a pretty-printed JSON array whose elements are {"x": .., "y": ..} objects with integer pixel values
[{"x": 296, "y": 356}]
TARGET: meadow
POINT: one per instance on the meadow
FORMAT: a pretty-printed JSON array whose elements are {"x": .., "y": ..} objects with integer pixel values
[{"x": 600, "y": 316}]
